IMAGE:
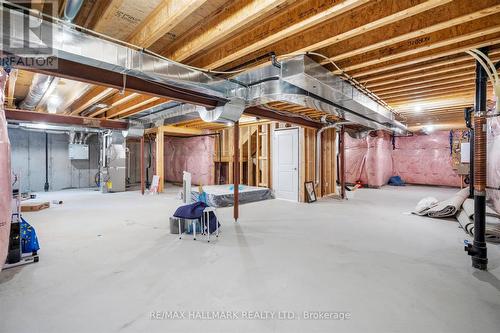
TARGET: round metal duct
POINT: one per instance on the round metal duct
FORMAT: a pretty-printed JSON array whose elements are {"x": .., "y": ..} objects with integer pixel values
[{"x": 229, "y": 112}]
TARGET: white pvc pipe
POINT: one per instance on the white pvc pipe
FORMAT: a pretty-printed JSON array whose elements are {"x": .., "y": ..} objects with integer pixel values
[{"x": 488, "y": 60}]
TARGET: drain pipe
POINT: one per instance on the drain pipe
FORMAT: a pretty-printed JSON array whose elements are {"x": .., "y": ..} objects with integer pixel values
[
  {"x": 477, "y": 250},
  {"x": 318, "y": 148}
]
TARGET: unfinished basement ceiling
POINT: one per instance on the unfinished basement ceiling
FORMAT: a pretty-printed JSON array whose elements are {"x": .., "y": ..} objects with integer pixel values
[{"x": 410, "y": 53}]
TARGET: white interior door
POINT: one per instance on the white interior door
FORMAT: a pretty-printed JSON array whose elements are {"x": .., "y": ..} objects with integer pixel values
[{"x": 286, "y": 164}]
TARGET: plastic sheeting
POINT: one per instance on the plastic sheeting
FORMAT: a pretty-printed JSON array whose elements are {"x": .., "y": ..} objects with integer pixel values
[
  {"x": 369, "y": 159},
  {"x": 194, "y": 155},
  {"x": 223, "y": 195},
  {"x": 493, "y": 160},
  {"x": 418, "y": 159},
  {"x": 5, "y": 176}
]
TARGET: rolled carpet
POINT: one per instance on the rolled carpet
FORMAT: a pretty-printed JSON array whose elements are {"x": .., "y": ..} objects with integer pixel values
[
  {"x": 466, "y": 220},
  {"x": 446, "y": 208}
]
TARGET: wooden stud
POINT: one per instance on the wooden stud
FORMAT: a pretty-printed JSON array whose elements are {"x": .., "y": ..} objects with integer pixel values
[
  {"x": 249, "y": 156},
  {"x": 257, "y": 156}
]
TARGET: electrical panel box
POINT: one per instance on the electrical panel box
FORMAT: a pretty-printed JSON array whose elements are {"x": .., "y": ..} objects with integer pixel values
[{"x": 78, "y": 151}]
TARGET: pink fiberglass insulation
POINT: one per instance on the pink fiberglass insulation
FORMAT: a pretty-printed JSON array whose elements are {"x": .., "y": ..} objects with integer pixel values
[
  {"x": 5, "y": 177},
  {"x": 418, "y": 159},
  {"x": 194, "y": 155},
  {"x": 369, "y": 159},
  {"x": 355, "y": 156},
  {"x": 425, "y": 159},
  {"x": 379, "y": 163},
  {"x": 493, "y": 160}
]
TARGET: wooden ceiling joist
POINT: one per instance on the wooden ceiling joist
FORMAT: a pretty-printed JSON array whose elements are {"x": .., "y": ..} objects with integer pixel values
[
  {"x": 414, "y": 30},
  {"x": 238, "y": 16},
  {"x": 132, "y": 104},
  {"x": 423, "y": 67},
  {"x": 144, "y": 107},
  {"x": 94, "y": 95},
  {"x": 357, "y": 21},
  {"x": 162, "y": 20},
  {"x": 282, "y": 25},
  {"x": 440, "y": 39},
  {"x": 114, "y": 101},
  {"x": 454, "y": 49},
  {"x": 447, "y": 88},
  {"x": 432, "y": 84}
]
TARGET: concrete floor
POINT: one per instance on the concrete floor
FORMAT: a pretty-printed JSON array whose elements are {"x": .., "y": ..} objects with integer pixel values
[{"x": 108, "y": 261}]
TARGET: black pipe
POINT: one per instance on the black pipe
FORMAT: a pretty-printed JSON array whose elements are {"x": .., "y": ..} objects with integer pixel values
[
  {"x": 468, "y": 124},
  {"x": 478, "y": 249},
  {"x": 46, "y": 186}
]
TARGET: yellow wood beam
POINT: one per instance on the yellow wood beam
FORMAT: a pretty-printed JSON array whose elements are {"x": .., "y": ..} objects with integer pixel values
[
  {"x": 133, "y": 103},
  {"x": 162, "y": 20},
  {"x": 234, "y": 18},
  {"x": 89, "y": 98},
  {"x": 114, "y": 101},
  {"x": 144, "y": 107},
  {"x": 282, "y": 25},
  {"x": 461, "y": 33},
  {"x": 431, "y": 55},
  {"x": 413, "y": 30}
]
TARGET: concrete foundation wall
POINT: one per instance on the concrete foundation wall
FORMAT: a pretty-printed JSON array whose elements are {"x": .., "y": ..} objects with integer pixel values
[{"x": 28, "y": 161}]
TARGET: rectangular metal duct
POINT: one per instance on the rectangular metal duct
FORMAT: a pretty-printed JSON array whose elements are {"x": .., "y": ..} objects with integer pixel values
[
  {"x": 302, "y": 81},
  {"x": 66, "y": 42},
  {"x": 305, "y": 73}
]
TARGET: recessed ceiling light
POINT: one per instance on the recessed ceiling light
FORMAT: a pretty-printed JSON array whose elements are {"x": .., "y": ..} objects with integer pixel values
[{"x": 418, "y": 108}]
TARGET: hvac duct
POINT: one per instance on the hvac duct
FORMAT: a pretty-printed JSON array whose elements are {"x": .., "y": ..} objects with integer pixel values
[
  {"x": 135, "y": 130},
  {"x": 71, "y": 9},
  {"x": 230, "y": 112},
  {"x": 302, "y": 81},
  {"x": 93, "y": 49},
  {"x": 39, "y": 86}
]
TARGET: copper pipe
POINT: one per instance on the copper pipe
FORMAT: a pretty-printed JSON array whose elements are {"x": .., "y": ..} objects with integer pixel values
[{"x": 479, "y": 152}]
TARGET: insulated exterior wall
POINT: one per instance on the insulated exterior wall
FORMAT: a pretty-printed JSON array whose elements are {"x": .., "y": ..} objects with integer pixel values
[
  {"x": 195, "y": 155},
  {"x": 379, "y": 164},
  {"x": 5, "y": 177},
  {"x": 425, "y": 159},
  {"x": 493, "y": 166},
  {"x": 418, "y": 159},
  {"x": 28, "y": 161},
  {"x": 369, "y": 159}
]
